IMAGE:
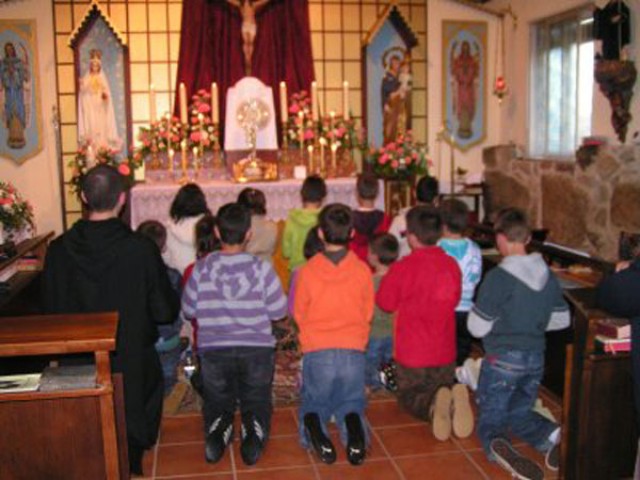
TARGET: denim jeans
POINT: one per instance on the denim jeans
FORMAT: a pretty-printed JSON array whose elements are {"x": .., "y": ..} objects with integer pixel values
[
  {"x": 170, "y": 360},
  {"x": 332, "y": 385},
  {"x": 238, "y": 375},
  {"x": 507, "y": 390},
  {"x": 379, "y": 351}
]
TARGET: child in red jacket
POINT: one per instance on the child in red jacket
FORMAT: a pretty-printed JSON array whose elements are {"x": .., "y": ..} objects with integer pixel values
[
  {"x": 423, "y": 290},
  {"x": 367, "y": 220}
]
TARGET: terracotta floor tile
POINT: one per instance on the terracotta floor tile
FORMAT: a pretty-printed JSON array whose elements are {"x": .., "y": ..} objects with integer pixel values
[
  {"x": 375, "y": 450},
  {"x": 188, "y": 459},
  {"x": 180, "y": 429},
  {"x": 283, "y": 422},
  {"x": 280, "y": 452},
  {"x": 413, "y": 440},
  {"x": 449, "y": 466},
  {"x": 212, "y": 476},
  {"x": 297, "y": 473},
  {"x": 370, "y": 470},
  {"x": 492, "y": 469},
  {"x": 387, "y": 414}
]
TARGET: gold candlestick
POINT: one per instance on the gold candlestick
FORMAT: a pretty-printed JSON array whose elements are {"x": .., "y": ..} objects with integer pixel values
[
  {"x": 310, "y": 152},
  {"x": 196, "y": 164},
  {"x": 285, "y": 143},
  {"x": 183, "y": 162},
  {"x": 334, "y": 162}
]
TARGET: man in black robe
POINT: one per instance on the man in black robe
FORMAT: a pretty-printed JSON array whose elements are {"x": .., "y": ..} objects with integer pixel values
[{"x": 100, "y": 265}]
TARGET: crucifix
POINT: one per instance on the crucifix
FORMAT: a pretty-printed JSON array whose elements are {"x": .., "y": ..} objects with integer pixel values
[{"x": 248, "y": 10}]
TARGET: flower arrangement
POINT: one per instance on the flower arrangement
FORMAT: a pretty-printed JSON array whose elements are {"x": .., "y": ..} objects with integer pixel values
[
  {"x": 401, "y": 159},
  {"x": 300, "y": 121},
  {"x": 343, "y": 132},
  {"x": 15, "y": 212},
  {"x": 80, "y": 165},
  {"x": 167, "y": 133}
]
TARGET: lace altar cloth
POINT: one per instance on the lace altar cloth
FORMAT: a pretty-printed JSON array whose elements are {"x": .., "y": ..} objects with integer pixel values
[{"x": 152, "y": 201}]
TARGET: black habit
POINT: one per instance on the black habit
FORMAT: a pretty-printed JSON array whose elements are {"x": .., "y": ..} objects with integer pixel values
[{"x": 101, "y": 266}]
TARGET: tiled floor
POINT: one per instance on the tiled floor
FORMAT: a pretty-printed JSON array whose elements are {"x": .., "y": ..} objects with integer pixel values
[{"x": 402, "y": 448}]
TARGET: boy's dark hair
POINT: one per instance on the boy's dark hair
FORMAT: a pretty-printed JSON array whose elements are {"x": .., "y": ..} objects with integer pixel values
[
  {"x": 455, "y": 215},
  {"x": 102, "y": 187},
  {"x": 513, "y": 224},
  {"x": 188, "y": 202},
  {"x": 206, "y": 240},
  {"x": 234, "y": 221},
  {"x": 367, "y": 186},
  {"x": 313, "y": 189},
  {"x": 155, "y": 231},
  {"x": 336, "y": 223},
  {"x": 312, "y": 243},
  {"x": 386, "y": 247},
  {"x": 254, "y": 200},
  {"x": 425, "y": 223},
  {"x": 427, "y": 189}
]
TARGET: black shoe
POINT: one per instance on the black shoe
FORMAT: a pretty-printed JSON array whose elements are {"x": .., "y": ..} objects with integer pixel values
[
  {"x": 219, "y": 436},
  {"x": 356, "y": 443},
  {"x": 518, "y": 466},
  {"x": 135, "y": 460},
  {"x": 319, "y": 441},
  {"x": 253, "y": 439}
]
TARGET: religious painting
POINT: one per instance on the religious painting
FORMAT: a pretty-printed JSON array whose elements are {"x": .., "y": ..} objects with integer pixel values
[
  {"x": 20, "y": 120},
  {"x": 388, "y": 77},
  {"x": 464, "y": 50},
  {"x": 102, "y": 85}
]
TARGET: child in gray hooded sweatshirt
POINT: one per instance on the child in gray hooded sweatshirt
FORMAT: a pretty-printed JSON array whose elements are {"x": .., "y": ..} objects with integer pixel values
[{"x": 517, "y": 302}]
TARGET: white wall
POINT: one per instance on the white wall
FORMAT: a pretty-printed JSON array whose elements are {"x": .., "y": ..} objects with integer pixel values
[
  {"x": 471, "y": 160},
  {"x": 514, "y": 121},
  {"x": 37, "y": 179}
]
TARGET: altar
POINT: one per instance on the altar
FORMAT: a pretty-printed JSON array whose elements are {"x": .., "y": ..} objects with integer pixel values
[{"x": 152, "y": 201}]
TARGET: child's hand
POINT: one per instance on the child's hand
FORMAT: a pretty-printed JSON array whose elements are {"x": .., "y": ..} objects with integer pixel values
[{"x": 622, "y": 265}]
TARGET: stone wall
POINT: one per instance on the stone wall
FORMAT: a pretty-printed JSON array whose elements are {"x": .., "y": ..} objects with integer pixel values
[{"x": 585, "y": 204}]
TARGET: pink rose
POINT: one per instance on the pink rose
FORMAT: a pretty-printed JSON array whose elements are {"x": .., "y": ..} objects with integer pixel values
[
  {"x": 391, "y": 146},
  {"x": 414, "y": 155},
  {"x": 204, "y": 108},
  {"x": 294, "y": 108},
  {"x": 124, "y": 169},
  {"x": 146, "y": 143},
  {"x": 341, "y": 131},
  {"x": 394, "y": 164},
  {"x": 408, "y": 160},
  {"x": 202, "y": 91},
  {"x": 308, "y": 135},
  {"x": 195, "y": 136},
  {"x": 384, "y": 158},
  {"x": 175, "y": 138},
  {"x": 194, "y": 119}
]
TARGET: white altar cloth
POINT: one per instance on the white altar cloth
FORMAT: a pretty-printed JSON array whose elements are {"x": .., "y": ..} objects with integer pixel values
[{"x": 152, "y": 201}]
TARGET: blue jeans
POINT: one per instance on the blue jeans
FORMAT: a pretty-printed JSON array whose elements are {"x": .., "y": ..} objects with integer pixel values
[
  {"x": 170, "y": 360},
  {"x": 507, "y": 390},
  {"x": 379, "y": 351},
  {"x": 332, "y": 385}
]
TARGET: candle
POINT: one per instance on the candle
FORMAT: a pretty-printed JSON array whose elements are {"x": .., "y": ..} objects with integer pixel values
[
  {"x": 314, "y": 101},
  {"x": 332, "y": 117},
  {"x": 183, "y": 104},
  {"x": 215, "y": 118},
  {"x": 202, "y": 131},
  {"x": 284, "y": 108},
  {"x": 195, "y": 158},
  {"x": 334, "y": 163},
  {"x": 90, "y": 156},
  {"x": 183, "y": 146},
  {"x": 152, "y": 104},
  {"x": 171, "y": 155},
  {"x": 301, "y": 134},
  {"x": 323, "y": 143},
  {"x": 345, "y": 99}
]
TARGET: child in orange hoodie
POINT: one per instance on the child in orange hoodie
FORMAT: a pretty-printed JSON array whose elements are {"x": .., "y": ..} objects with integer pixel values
[{"x": 333, "y": 307}]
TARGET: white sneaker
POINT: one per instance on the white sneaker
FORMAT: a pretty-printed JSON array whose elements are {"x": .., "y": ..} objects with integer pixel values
[{"x": 469, "y": 373}]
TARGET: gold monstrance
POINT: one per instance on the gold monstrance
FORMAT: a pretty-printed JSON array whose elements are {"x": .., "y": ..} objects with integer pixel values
[{"x": 252, "y": 116}]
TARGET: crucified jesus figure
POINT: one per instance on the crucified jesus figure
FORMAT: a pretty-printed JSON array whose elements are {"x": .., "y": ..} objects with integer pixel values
[{"x": 248, "y": 10}]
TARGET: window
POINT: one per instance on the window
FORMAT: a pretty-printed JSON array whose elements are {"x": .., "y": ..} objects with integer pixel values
[{"x": 561, "y": 81}]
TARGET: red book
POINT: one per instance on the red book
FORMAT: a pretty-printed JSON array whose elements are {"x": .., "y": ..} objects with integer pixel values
[
  {"x": 614, "y": 328},
  {"x": 612, "y": 345}
]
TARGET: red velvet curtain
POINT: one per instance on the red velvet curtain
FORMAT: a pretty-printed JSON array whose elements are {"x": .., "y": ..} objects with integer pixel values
[{"x": 211, "y": 48}]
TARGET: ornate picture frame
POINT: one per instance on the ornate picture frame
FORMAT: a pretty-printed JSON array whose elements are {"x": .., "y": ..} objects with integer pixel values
[
  {"x": 464, "y": 82},
  {"x": 20, "y": 112}
]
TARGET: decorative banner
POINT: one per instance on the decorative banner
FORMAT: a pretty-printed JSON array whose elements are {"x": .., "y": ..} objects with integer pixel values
[
  {"x": 464, "y": 80},
  {"x": 386, "y": 103},
  {"x": 102, "y": 84},
  {"x": 20, "y": 120}
]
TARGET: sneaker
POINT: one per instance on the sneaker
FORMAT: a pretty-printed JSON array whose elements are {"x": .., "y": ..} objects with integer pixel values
[
  {"x": 441, "y": 414},
  {"x": 462, "y": 415},
  {"x": 253, "y": 439},
  {"x": 469, "y": 372},
  {"x": 218, "y": 437},
  {"x": 321, "y": 444},
  {"x": 508, "y": 458},
  {"x": 356, "y": 443},
  {"x": 552, "y": 458},
  {"x": 388, "y": 376}
]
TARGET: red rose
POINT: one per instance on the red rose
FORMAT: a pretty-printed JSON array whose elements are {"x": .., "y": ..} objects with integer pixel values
[{"x": 124, "y": 169}]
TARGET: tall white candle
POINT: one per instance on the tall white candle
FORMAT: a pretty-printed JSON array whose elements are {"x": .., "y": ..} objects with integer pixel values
[
  {"x": 314, "y": 101},
  {"x": 332, "y": 117},
  {"x": 183, "y": 103},
  {"x": 171, "y": 155},
  {"x": 152, "y": 104},
  {"x": 284, "y": 103},
  {"x": 345, "y": 99},
  {"x": 215, "y": 116}
]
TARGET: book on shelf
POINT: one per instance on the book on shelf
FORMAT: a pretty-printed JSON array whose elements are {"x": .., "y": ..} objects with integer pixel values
[
  {"x": 614, "y": 327},
  {"x": 28, "y": 382},
  {"x": 68, "y": 377},
  {"x": 612, "y": 345}
]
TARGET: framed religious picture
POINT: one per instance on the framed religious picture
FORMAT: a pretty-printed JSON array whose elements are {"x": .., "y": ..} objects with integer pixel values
[
  {"x": 20, "y": 119},
  {"x": 102, "y": 85},
  {"x": 464, "y": 82},
  {"x": 386, "y": 103}
]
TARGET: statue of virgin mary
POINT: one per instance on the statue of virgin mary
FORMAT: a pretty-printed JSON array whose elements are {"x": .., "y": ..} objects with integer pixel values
[{"x": 96, "y": 116}]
